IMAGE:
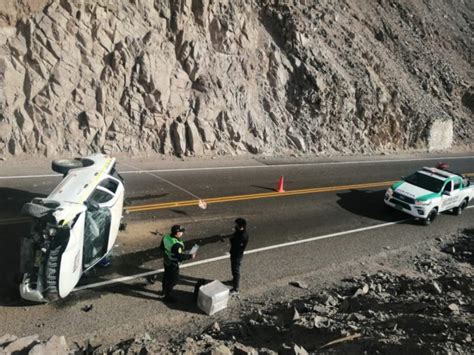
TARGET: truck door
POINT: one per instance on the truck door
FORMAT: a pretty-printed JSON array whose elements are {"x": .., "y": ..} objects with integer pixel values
[
  {"x": 102, "y": 219},
  {"x": 448, "y": 200},
  {"x": 456, "y": 193},
  {"x": 97, "y": 226},
  {"x": 115, "y": 205}
]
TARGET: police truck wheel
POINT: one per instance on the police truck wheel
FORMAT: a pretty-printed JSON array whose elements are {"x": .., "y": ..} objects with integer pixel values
[
  {"x": 430, "y": 218},
  {"x": 458, "y": 210},
  {"x": 62, "y": 166}
]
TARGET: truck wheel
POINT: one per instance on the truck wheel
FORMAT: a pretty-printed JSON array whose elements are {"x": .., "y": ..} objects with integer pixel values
[
  {"x": 431, "y": 217},
  {"x": 62, "y": 166},
  {"x": 52, "y": 273},
  {"x": 458, "y": 210}
]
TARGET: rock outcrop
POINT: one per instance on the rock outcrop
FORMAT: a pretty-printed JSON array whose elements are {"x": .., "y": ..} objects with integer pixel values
[{"x": 202, "y": 77}]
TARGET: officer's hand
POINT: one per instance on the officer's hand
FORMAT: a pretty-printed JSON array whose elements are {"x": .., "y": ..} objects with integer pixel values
[{"x": 193, "y": 256}]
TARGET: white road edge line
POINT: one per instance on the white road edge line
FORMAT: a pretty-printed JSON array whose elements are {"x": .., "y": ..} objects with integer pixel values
[
  {"x": 253, "y": 251},
  {"x": 251, "y": 166}
]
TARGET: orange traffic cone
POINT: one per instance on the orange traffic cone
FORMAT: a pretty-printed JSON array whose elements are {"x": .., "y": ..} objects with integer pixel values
[{"x": 280, "y": 185}]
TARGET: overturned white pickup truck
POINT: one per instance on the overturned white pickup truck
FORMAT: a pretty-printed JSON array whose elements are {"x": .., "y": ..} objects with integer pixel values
[
  {"x": 430, "y": 191},
  {"x": 73, "y": 228}
]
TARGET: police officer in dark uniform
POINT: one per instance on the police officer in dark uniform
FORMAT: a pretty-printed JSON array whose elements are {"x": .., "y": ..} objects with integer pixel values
[
  {"x": 173, "y": 250},
  {"x": 238, "y": 243}
]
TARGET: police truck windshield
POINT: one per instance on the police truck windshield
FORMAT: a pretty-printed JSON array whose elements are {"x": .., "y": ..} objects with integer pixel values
[{"x": 425, "y": 182}]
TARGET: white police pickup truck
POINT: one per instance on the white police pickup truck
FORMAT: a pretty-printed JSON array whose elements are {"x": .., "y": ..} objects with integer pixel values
[
  {"x": 430, "y": 191},
  {"x": 73, "y": 229}
]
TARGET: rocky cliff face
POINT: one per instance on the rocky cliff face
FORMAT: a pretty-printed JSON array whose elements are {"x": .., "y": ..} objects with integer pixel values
[{"x": 202, "y": 77}]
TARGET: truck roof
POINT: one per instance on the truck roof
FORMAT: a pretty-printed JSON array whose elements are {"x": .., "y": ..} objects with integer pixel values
[{"x": 438, "y": 173}]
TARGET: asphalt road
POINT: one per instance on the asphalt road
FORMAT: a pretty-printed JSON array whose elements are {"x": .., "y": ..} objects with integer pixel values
[{"x": 326, "y": 203}]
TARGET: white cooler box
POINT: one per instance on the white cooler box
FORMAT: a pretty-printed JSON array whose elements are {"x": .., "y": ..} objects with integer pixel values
[{"x": 213, "y": 297}]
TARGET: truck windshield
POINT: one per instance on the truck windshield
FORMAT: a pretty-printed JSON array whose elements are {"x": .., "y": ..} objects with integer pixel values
[{"x": 425, "y": 182}]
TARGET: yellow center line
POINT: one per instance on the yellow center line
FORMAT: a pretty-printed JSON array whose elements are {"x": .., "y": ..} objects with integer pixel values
[
  {"x": 157, "y": 206},
  {"x": 246, "y": 197},
  {"x": 186, "y": 203}
]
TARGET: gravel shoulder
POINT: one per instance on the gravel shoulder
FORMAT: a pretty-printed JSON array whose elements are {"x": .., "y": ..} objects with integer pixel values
[
  {"x": 412, "y": 299},
  {"x": 416, "y": 298}
]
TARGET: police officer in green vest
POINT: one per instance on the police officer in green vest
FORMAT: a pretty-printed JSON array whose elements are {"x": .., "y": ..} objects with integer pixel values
[{"x": 173, "y": 250}]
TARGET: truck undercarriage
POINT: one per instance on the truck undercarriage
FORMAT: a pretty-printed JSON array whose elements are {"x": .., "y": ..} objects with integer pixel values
[{"x": 41, "y": 252}]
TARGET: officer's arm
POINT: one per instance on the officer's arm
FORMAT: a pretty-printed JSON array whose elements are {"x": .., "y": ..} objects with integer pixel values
[
  {"x": 243, "y": 242},
  {"x": 178, "y": 251}
]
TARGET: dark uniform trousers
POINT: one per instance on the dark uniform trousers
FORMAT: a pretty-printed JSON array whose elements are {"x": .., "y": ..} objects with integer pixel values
[
  {"x": 170, "y": 278},
  {"x": 235, "y": 262}
]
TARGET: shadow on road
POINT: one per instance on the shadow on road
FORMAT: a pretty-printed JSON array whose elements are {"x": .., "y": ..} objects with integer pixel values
[
  {"x": 368, "y": 203},
  {"x": 185, "y": 302},
  {"x": 182, "y": 213},
  {"x": 263, "y": 187},
  {"x": 132, "y": 263},
  {"x": 217, "y": 238},
  {"x": 11, "y": 202},
  {"x": 10, "y": 245},
  {"x": 129, "y": 200},
  {"x": 138, "y": 289}
]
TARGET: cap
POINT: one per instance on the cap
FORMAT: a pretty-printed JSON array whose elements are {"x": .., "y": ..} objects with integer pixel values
[{"x": 177, "y": 228}]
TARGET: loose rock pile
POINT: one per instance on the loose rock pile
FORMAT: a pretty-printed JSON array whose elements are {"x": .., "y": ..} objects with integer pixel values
[{"x": 428, "y": 311}]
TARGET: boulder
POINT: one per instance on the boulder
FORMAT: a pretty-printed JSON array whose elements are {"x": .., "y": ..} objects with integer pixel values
[
  {"x": 21, "y": 345},
  {"x": 220, "y": 350},
  {"x": 361, "y": 291},
  {"x": 240, "y": 349},
  {"x": 54, "y": 345},
  {"x": 292, "y": 349},
  {"x": 441, "y": 134},
  {"x": 7, "y": 338}
]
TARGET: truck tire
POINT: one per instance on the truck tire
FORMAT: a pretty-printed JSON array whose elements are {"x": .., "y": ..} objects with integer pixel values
[
  {"x": 458, "y": 210},
  {"x": 431, "y": 217},
  {"x": 62, "y": 166},
  {"x": 52, "y": 274},
  {"x": 52, "y": 266}
]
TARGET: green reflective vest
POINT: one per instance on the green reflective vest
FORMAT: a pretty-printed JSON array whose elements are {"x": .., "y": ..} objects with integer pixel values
[{"x": 169, "y": 242}]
